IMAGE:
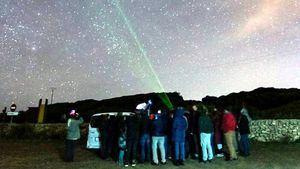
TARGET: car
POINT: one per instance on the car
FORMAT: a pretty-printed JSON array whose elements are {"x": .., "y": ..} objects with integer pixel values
[{"x": 93, "y": 136}]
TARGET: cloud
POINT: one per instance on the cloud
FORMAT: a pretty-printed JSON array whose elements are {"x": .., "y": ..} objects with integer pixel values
[{"x": 269, "y": 17}]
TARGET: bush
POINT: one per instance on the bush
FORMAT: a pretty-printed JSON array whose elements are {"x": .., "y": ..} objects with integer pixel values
[{"x": 21, "y": 131}]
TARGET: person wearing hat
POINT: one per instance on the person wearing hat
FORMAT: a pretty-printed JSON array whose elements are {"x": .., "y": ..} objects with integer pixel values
[
  {"x": 73, "y": 134},
  {"x": 179, "y": 127}
]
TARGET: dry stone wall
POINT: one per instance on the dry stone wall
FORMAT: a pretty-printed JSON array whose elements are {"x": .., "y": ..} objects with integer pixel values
[
  {"x": 261, "y": 130},
  {"x": 275, "y": 130}
]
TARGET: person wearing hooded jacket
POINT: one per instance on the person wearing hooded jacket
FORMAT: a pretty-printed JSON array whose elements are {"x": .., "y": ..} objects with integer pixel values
[{"x": 180, "y": 125}]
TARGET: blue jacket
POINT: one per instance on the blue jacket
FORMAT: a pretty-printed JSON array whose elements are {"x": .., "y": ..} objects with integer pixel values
[
  {"x": 158, "y": 127},
  {"x": 180, "y": 125}
]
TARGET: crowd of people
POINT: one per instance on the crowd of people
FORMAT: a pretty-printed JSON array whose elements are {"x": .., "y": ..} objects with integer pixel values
[{"x": 155, "y": 135}]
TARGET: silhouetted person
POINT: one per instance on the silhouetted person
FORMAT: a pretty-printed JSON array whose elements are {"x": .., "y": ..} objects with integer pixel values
[
  {"x": 144, "y": 140},
  {"x": 122, "y": 144},
  {"x": 169, "y": 147},
  {"x": 143, "y": 110},
  {"x": 244, "y": 130},
  {"x": 112, "y": 137},
  {"x": 217, "y": 122},
  {"x": 193, "y": 131},
  {"x": 180, "y": 125},
  {"x": 206, "y": 129},
  {"x": 131, "y": 140},
  {"x": 103, "y": 128}
]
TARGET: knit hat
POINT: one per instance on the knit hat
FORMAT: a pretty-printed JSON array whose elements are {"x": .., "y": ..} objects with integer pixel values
[{"x": 73, "y": 113}]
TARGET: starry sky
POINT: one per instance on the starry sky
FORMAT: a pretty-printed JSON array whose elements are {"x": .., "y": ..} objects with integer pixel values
[{"x": 99, "y": 49}]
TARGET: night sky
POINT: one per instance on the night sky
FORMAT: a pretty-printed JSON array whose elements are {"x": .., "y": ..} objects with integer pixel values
[{"x": 98, "y": 49}]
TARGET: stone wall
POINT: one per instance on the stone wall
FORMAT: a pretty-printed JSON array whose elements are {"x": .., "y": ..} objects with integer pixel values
[
  {"x": 261, "y": 130},
  {"x": 37, "y": 131},
  {"x": 275, "y": 130}
]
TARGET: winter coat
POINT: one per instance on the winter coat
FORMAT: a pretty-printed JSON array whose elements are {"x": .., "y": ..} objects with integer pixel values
[
  {"x": 244, "y": 125},
  {"x": 189, "y": 119},
  {"x": 158, "y": 125},
  {"x": 228, "y": 122},
  {"x": 132, "y": 128},
  {"x": 144, "y": 124},
  {"x": 169, "y": 125},
  {"x": 194, "y": 122},
  {"x": 180, "y": 125},
  {"x": 73, "y": 131},
  {"x": 205, "y": 124},
  {"x": 217, "y": 122}
]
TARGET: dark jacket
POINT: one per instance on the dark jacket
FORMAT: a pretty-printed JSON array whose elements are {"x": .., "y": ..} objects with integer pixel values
[
  {"x": 169, "y": 125},
  {"x": 244, "y": 125},
  {"x": 217, "y": 122},
  {"x": 144, "y": 124},
  {"x": 189, "y": 119},
  {"x": 132, "y": 128},
  {"x": 180, "y": 125},
  {"x": 194, "y": 122},
  {"x": 158, "y": 125},
  {"x": 205, "y": 124}
]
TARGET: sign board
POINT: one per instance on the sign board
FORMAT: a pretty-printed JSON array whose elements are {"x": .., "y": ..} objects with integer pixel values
[
  {"x": 12, "y": 113},
  {"x": 13, "y": 107}
]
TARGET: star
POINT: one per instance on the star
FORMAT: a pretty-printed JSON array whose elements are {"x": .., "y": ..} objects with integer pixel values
[{"x": 103, "y": 49}]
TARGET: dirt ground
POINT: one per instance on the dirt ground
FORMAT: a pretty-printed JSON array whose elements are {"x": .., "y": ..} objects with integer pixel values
[{"x": 30, "y": 154}]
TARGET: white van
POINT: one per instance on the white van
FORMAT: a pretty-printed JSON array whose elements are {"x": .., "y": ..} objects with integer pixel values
[{"x": 93, "y": 138}]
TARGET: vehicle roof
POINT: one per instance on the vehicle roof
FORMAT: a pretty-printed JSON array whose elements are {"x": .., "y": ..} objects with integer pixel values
[{"x": 113, "y": 114}]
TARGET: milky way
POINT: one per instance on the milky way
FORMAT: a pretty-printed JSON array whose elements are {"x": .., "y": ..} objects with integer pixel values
[{"x": 98, "y": 49}]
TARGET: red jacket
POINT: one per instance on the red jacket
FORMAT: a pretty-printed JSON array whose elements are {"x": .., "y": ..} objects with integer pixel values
[{"x": 229, "y": 122}]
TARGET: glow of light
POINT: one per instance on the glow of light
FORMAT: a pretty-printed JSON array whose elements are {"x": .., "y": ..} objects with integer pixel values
[{"x": 265, "y": 18}]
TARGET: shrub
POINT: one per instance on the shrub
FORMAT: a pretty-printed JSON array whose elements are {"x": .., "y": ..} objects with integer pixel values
[{"x": 21, "y": 131}]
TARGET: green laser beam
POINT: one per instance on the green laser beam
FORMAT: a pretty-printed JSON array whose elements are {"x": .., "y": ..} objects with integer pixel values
[{"x": 164, "y": 97}]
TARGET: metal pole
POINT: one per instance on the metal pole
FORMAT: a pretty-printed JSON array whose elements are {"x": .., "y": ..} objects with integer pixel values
[
  {"x": 11, "y": 119},
  {"x": 52, "y": 91}
]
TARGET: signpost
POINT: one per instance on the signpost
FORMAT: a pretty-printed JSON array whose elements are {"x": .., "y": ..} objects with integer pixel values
[
  {"x": 13, "y": 107},
  {"x": 12, "y": 112}
]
